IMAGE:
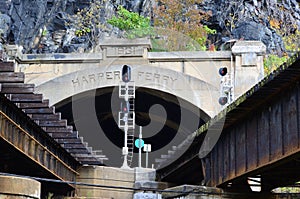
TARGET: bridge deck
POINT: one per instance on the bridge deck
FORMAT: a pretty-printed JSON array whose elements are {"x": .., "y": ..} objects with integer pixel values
[
  {"x": 260, "y": 137},
  {"x": 25, "y": 147},
  {"x": 34, "y": 139}
]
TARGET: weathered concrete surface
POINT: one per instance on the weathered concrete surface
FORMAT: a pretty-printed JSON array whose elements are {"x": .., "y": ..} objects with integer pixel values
[
  {"x": 136, "y": 178},
  {"x": 193, "y": 192},
  {"x": 203, "y": 192},
  {"x": 197, "y": 92},
  {"x": 108, "y": 176},
  {"x": 145, "y": 179},
  {"x": 248, "y": 64},
  {"x": 19, "y": 188},
  {"x": 144, "y": 174}
]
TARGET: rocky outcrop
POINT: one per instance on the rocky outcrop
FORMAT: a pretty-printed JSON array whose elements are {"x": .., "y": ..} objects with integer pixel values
[
  {"x": 250, "y": 20},
  {"x": 45, "y": 26},
  {"x": 25, "y": 22}
]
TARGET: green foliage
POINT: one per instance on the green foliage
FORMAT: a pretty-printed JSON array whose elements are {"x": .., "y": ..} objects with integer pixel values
[
  {"x": 134, "y": 24},
  {"x": 208, "y": 30},
  {"x": 287, "y": 190},
  {"x": 49, "y": 196},
  {"x": 272, "y": 62},
  {"x": 127, "y": 20},
  {"x": 82, "y": 32},
  {"x": 177, "y": 25},
  {"x": 44, "y": 32},
  {"x": 292, "y": 42},
  {"x": 162, "y": 38}
]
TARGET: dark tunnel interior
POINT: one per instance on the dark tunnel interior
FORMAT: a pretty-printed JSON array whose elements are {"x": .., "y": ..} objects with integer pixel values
[{"x": 165, "y": 118}]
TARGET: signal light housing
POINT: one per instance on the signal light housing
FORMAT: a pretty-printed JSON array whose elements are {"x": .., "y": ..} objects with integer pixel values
[
  {"x": 223, "y": 100},
  {"x": 223, "y": 71},
  {"x": 126, "y": 73},
  {"x": 125, "y": 107}
]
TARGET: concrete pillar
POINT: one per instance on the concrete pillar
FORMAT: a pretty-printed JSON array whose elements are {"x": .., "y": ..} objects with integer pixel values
[
  {"x": 249, "y": 67},
  {"x": 19, "y": 188}
]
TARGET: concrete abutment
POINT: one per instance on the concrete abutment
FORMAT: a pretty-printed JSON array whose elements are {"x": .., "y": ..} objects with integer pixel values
[{"x": 19, "y": 188}]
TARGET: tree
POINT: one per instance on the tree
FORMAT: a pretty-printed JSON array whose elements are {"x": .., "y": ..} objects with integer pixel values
[
  {"x": 132, "y": 23},
  {"x": 182, "y": 16},
  {"x": 177, "y": 24}
]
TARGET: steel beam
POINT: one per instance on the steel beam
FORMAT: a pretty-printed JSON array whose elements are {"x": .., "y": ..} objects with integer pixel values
[{"x": 28, "y": 145}]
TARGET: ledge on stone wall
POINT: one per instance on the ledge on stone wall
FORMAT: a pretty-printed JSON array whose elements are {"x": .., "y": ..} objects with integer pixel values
[
  {"x": 60, "y": 57},
  {"x": 242, "y": 47},
  {"x": 189, "y": 56}
]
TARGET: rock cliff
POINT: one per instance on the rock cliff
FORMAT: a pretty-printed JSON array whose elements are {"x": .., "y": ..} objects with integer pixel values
[{"x": 43, "y": 26}]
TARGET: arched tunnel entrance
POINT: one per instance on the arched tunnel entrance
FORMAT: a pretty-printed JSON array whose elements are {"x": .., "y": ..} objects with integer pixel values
[{"x": 166, "y": 120}]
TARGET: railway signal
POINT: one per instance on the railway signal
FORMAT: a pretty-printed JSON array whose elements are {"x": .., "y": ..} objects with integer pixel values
[
  {"x": 126, "y": 73},
  {"x": 226, "y": 86},
  {"x": 223, "y": 71}
]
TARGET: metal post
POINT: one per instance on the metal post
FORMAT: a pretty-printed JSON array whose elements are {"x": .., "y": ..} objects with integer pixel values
[
  {"x": 147, "y": 149},
  {"x": 125, "y": 121},
  {"x": 140, "y": 148},
  {"x": 147, "y": 159},
  {"x": 125, "y": 148},
  {"x": 232, "y": 79}
]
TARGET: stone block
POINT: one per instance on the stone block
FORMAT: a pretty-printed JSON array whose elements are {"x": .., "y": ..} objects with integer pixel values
[
  {"x": 125, "y": 47},
  {"x": 244, "y": 47},
  {"x": 150, "y": 185},
  {"x": 102, "y": 177},
  {"x": 144, "y": 174},
  {"x": 19, "y": 188}
]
